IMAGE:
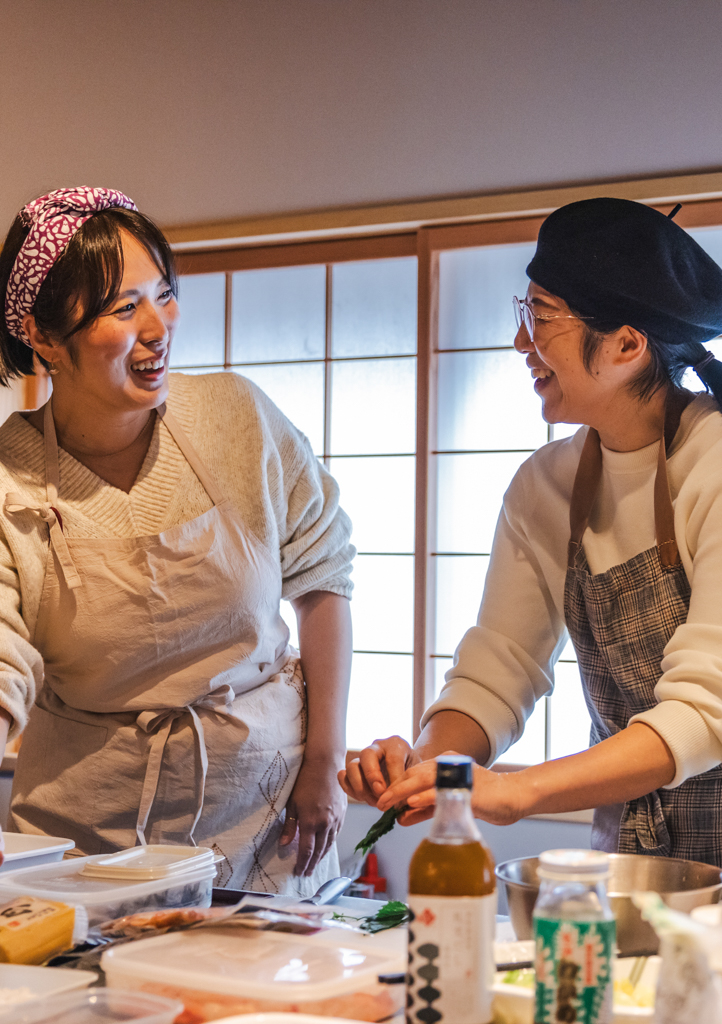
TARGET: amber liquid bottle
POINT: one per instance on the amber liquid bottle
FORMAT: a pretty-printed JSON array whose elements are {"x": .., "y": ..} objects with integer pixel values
[{"x": 452, "y": 896}]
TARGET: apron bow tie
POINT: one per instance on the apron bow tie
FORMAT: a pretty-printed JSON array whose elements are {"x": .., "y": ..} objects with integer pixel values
[
  {"x": 161, "y": 722},
  {"x": 15, "y": 502}
]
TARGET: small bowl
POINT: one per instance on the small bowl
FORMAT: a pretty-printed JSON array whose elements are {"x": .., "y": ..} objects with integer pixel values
[{"x": 682, "y": 884}]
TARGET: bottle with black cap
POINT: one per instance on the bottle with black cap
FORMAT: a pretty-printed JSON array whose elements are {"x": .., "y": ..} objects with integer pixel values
[{"x": 452, "y": 896}]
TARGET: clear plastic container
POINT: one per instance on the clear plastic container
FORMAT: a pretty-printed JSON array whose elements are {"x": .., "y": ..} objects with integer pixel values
[
  {"x": 108, "y": 898},
  {"x": 96, "y": 1006},
  {"x": 221, "y": 972},
  {"x": 41, "y": 982},
  {"x": 29, "y": 851}
]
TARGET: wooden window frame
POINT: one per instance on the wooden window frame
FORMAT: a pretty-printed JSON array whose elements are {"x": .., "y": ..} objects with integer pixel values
[{"x": 426, "y": 242}]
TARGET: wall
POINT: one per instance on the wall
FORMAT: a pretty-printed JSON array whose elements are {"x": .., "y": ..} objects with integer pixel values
[{"x": 229, "y": 108}]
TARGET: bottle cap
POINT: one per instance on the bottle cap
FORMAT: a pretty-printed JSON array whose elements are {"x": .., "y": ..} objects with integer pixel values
[
  {"x": 454, "y": 772},
  {"x": 578, "y": 864}
]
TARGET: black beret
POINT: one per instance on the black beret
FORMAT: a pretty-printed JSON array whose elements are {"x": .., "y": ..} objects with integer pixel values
[{"x": 626, "y": 263}]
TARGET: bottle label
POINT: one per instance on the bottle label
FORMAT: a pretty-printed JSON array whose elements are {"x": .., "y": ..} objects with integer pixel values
[
  {"x": 573, "y": 970},
  {"x": 451, "y": 959}
]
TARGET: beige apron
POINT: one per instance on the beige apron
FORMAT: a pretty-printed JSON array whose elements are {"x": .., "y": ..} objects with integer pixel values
[{"x": 173, "y": 708}]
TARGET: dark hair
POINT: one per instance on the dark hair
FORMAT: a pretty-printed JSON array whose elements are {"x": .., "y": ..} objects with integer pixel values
[
  {"x": 82, "y": 282},
  {"x": 666, "y": 367}
]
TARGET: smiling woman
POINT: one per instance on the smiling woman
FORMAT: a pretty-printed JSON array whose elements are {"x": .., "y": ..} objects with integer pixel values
[
  {"x": 613, "y": 538},
  {"x": 150, "y": 527}
]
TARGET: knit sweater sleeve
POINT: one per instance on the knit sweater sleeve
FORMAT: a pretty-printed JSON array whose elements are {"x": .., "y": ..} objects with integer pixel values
[
  {"x": 21, "y": 666},
  {"x": 313, "y": 530},
  {"x": 315, "y": 552},
  {"x": 505, "y": 663}
]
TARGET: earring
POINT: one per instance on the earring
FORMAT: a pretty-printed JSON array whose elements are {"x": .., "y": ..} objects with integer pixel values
[{"x": 53, "y": 371}]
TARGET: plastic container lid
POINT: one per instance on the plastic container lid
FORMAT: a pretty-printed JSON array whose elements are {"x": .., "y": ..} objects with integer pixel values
[
  {"x": 42, "y": 981},
  {"x": 97, "y": 1006},
  {"x": 19, "y": 845},
  {"x": 148, "y": 863},
  {"x": 66, "y": 882},
  {"x": 573, "y": 864},
  {"x": 251, "y": 964}
]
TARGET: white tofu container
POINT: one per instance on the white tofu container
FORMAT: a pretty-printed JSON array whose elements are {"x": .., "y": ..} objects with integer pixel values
[
  {"x": 28, "y": 851},
  {"x": 40, "y": 982},
  {"x": 222, "y": 972},
  {"x": 153, "y": 878}
]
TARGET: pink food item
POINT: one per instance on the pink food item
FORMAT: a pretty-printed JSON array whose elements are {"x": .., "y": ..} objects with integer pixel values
[
  {"x": 157, "y": 922},
  {"x": 200, "y": 1007}
]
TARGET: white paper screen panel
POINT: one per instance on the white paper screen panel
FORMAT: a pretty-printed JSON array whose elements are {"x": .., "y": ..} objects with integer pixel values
[
  {"x": 475, "y": 295},
  {"x": 199, "y": 339},
  {"x": 374, "y": 308},
  {"x": 487, "y": 401},
  {"x": 381, "y": 697},
  {"x": 371, "y": 486},
  {"x": 279, "y": 313},
  {"x": 373, "y": 407}
]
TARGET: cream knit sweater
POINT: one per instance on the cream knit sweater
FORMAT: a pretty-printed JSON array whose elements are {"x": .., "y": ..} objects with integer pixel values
[
  {"x": 258, "y": 459},
  {"x": 506, "y": 662}
]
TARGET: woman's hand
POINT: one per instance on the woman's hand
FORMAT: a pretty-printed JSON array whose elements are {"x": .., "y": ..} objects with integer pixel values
[
  {"x": 378, "y": 766},
  {"x": 315, "y": 810},
  {"x": 496, "y": 797}
]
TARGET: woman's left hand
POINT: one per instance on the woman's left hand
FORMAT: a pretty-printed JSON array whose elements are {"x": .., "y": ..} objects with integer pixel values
[
  {"x": 497, "y": 797},
  {"x": 315, "y": 810}
]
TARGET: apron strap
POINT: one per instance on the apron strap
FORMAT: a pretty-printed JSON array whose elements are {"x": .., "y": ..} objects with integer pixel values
[
  {"x": 589, "y": 473},
  {"x": 219, "y": 700},
  {"x": 191, "y": 455},
  {"x": 15, "y": 502}
]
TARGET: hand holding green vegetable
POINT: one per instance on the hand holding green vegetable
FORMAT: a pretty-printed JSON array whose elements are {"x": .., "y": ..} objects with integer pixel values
[{"x": 378, "y": 766}]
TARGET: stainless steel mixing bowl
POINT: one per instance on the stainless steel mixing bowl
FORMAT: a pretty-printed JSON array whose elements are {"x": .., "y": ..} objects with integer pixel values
[{"x": 682, "y": 884}]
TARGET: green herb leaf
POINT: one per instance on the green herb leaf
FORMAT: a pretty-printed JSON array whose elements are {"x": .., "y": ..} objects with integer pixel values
[
  {"x": 391, "y": 909},
  {"x": 379, "y": 828},
  {"x": 390, "y": 915}
]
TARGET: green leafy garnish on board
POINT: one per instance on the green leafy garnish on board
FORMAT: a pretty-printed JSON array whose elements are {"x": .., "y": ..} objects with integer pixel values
[
  {"x": 379, "y": 828},
  {"x": 391, "y": 915},
  {"x": 524, "y": 977}
]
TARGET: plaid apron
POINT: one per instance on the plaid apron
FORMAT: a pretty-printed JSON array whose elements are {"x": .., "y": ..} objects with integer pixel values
[{"x": 620, "y": 622}]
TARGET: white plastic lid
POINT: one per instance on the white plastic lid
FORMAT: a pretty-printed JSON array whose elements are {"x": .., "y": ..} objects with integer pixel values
[
  {"x": 250, "y": 964},
  {"x": 66, "y": 882},
  {"x": 581, "y": 864},
  {"x": 148, "y": 863}
]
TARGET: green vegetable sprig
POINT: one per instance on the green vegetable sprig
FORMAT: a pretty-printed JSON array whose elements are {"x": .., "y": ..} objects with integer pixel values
[
  {"x": 379, "y": 828},
  {"x": 391, "y": 915}
]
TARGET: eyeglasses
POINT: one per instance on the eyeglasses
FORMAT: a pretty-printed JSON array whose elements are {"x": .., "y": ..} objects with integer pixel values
[{"x": 524, "y": 314}]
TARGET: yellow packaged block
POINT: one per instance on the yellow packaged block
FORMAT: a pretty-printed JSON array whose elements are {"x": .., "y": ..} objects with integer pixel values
[{"x": 33, "y": 930}]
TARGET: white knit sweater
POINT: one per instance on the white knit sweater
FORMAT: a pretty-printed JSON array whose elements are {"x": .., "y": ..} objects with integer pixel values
[
  {"x": 506, "y": 662},
  {"x": 258, "y": 459}
]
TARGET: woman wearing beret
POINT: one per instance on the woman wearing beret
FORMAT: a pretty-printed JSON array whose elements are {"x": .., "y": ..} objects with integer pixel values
[
  {"x": 150, "y": 525},
  {"x": 612, "y": 537}
]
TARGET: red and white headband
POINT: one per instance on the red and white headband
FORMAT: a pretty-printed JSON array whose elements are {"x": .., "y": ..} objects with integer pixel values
[{"x": 53, "y": 220}]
